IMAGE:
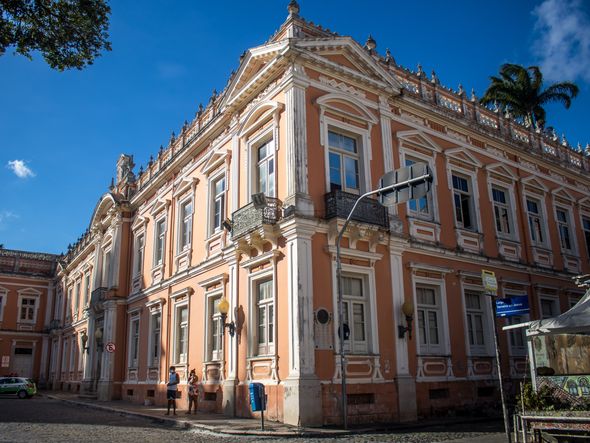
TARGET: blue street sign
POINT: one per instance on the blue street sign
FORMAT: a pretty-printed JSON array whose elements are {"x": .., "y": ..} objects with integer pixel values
[{"x": 517, "y": 305}]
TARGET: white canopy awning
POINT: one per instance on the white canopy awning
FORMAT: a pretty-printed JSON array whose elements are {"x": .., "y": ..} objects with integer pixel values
[{"x": 574, "y": 321}]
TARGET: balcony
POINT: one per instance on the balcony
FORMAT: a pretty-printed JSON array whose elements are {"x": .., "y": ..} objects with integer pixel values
[
  {"x": 54, "y": 324},
  {"x": 340, "y": 203},
  {"x": 249, "y": 218}
]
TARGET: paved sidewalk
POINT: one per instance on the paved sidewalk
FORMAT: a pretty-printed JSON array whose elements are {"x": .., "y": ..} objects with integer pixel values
[{"x": 221, "y": 424}]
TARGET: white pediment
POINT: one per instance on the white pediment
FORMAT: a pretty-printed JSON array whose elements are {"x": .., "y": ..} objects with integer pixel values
[
  {"x": 563, "y": 193},
  {"x": 418, "y": 138},
  {"x": 214, "y": 160},
  {"x": 502, "y": 170},
  {"x": 343, "y": 55},
  {"x": 463, "y": 155},
  {"x": 534, "y": 183}
]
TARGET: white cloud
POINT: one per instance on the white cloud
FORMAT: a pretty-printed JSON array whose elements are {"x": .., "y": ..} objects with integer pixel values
[
  {"x": 20, "y": 169},
  {"x": 563, "y": 40}
]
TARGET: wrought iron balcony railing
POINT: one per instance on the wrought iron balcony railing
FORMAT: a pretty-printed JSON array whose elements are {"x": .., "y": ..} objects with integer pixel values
[
  {"x": 340, "y": 203},
  {"x": 248, "y": 218}
]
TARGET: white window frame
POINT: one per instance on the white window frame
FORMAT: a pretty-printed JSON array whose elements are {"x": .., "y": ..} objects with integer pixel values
[
  {"x": 485, "y": 309},
  {"x": 541, "y": 215},
  {"x": 569, "y": 225},
  {"x": 508, "y": 206},
  {"x": 214, "y": 198},
  {"x": 213, "y": 321},
  {"x": 439, "y": 286},
  {"x": 585, "y": 217},
  {"x": 69, "y": 310},
  {"x": 342, "y": 156},
  {"x": 473, "y": 194},
  {"x": 87, "y": 286},
  {"x": 178, "y": 357},
  {"x": 185, "y": 224},
  {"x": 367, "y": 274},
  {"x": 353, "y": 345},
  {"x": 155, "y": 309},
  {"x": 516, "y": 350},
  {"x": 265, "y": 136},
  {"x": 78, "y": 294},
  {"x": 3, "y": 298},
  {"x": 138, "y": 253},
  {"x": 432, "y": 202},
  {"x": 268, "y": 345},
  {"x": 28, "y": 294},
  {"x": 73, "y": 345},
  {"x": 64, "y": 354},
  {"x": 253, "y": 280},
  {"x": 133, "y": 339},
  {"x": 363, "y": 134},
  {"x": 160, "y": 237}
]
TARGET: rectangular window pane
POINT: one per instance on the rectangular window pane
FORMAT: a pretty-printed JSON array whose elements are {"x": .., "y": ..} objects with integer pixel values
[
  {"x": 358, "y": 314},
  {"x": 352, "y": 173},
  {"x": 335, "y": 172}
]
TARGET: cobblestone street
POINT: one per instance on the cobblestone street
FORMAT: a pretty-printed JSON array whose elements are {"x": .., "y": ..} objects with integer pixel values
[{"x": 46, "y": 420}]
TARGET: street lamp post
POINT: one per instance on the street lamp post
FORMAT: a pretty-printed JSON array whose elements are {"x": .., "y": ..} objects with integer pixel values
[{"x": 409, "y": 183}]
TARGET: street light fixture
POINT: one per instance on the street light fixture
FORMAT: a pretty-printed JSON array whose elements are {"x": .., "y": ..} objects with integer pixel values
[
  {"x": 98, "y": 337},
  {"x": 396, "y": 187},
  {"x": 84, "y": 340},
  {"x": 223, "y": 308},
  {"x": 408, "y": 311}
]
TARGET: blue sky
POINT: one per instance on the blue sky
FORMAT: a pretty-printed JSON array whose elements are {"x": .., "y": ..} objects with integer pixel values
[{"x": 61, "y": 133}]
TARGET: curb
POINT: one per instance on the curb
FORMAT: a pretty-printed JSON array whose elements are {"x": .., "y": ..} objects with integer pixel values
[
  {"x": 183, "y": 424},
  {"x": 326, "y": 433}
]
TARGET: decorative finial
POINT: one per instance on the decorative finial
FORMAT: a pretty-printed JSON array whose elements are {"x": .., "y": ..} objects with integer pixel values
[
  {"x": 461, "y": 91},
  {"x": 200, "y": 108},
  {"x": 496, "y": 108},
  {"x": 563, "y": 140},
  {"x": 161, "y": 150},
  {"x": 473, "y": 97},
  {"x": 370, "y": 44},
  {"x": 388, "y": 57},
  {"x": 587, "y": 150},
  {"x": 434, "y": 78},
  {"x": 151, "y": 162},
  {"x": 507, "y": 112},
  {"x": 141, "y": 170},
  {"x": 172, "y": 138},
  {"x": 579, "y": 148},
  {"x": 420, "y": 71},
  {"x": 554, "y": 135},
  {"x": 112, "y": 186},
  {"x": 293, "y": 8}
]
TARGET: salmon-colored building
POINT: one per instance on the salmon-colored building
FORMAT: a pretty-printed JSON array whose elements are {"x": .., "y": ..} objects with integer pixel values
[
  {"x": 311, "y": 120},
  {"x": 27, "y": 282}
]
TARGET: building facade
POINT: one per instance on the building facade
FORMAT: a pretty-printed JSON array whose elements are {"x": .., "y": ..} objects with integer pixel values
[
  {"x": 27, "y": 285},
  {"x": 246, "y": 203}
]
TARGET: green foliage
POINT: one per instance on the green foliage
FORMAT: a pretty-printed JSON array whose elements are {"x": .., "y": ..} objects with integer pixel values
[
  {"x": 520, "y": 91},
  {"x": 545, "y": 399},
  {"x": 68, "y": 33}
]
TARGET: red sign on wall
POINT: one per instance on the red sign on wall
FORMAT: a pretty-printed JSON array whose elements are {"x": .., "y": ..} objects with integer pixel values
[{"x": 110, "y": 347}]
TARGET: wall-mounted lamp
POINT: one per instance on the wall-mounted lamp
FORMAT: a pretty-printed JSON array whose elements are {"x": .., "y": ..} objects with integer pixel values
[
  {"x": 223, "y": 308},
  {"x": 227, "y": 225},
  {"x": 408, "y": 311},
  {"x": 84, "y": 340},
  {"x": 98, "y": 337}
]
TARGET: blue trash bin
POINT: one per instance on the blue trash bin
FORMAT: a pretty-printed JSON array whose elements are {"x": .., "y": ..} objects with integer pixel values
[{"x": 257, "y": 396}]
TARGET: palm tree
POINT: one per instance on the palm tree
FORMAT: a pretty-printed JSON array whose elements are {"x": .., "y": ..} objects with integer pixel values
[{"x": 520, "y": 91}]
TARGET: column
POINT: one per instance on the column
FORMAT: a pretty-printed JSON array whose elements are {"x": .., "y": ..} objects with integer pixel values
[
  {"x": 231, "y": 381},
  {"x": 302, "y": 404},
  {"x": 296, "y": 143},
  {"x": 405, "y": 382}
]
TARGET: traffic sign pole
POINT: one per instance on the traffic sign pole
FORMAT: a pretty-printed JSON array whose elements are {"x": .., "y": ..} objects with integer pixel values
[{"x": 490, "y": 284}]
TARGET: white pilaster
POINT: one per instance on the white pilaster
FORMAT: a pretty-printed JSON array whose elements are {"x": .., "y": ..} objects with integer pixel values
[
  {"x": 405, "y": 383},
  {"x": 302, "y": 388},
  {"x": 296, "y": 143}
]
